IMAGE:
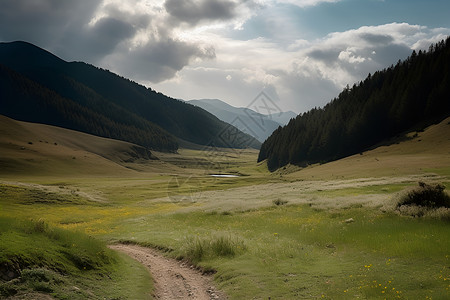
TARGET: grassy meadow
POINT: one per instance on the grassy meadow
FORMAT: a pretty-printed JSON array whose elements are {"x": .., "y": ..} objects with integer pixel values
[{"x": 324, "y": 232}]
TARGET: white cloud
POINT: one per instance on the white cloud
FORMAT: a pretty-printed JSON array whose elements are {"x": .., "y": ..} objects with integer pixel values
[
  {"x": 349, "y": 56},
  {"x": 304, "y": 74}
]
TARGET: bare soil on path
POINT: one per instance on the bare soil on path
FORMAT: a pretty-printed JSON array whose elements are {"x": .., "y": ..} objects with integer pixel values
[{"x": 172, "y": 279}]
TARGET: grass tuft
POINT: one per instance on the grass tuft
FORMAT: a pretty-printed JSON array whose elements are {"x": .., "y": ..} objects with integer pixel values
[{"x": 197, "y": 249}]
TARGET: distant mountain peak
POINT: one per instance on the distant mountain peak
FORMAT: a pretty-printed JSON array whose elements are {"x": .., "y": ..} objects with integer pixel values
[{"x": 258, "y": 125}]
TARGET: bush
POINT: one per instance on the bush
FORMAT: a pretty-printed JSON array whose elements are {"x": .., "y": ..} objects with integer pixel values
[
  {"x": 425, "y": 195},
  {"x": 424, "y": 200}
]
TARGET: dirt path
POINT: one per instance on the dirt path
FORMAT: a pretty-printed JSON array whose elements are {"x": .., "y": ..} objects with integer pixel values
[{"x": 173, "y": 279}]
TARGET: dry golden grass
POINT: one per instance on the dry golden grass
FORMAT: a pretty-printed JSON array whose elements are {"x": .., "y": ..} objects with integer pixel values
[
  {"x": 425, "y": 151},
  {"x": 29, "y": 148}
]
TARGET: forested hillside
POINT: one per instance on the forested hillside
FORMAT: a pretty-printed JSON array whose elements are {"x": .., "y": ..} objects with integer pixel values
[
  {"x": 410, "y": 95},
  {"x": 40, "y": 87},
  {"x": 25, "y": 100}
]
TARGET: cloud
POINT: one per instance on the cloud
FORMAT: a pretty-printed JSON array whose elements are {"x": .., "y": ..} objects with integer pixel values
[
  {"x": 307, "y": 3},
  {"x": 230, "y": 49},
  {"x": 43, "y": 21},
  {"x": 92, "y": 43},
  {"x": 192, "y": 12},
  {"x": 64, "y": 27},
  {"x": 156, "y": 61},
  {"x": 346, "y": 57},
  {"x": 139, "y": 40},
  {"x": 305, "y": 74}
]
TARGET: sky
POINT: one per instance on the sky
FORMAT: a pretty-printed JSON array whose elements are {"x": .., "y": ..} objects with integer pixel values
[{"x": 300, "y": 53}]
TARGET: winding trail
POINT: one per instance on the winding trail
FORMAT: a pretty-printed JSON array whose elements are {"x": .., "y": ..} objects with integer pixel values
[{"x": 173, "y": 279}]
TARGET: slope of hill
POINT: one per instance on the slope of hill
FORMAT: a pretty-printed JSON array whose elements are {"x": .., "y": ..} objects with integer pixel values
[
  {"x": 29, "y": 148},
  {"x": 421, "y": 152},
  {"x": 26, "y": 100},
  {"x": 82, "y": 97},
  {"x": 413, "y": 94},
  {"x": 258, "y": 125}
]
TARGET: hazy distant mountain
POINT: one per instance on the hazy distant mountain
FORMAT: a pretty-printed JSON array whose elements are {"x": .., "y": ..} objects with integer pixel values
[
  {"x": 37, "y": 86},
  {"x": 249, "y": 121}
]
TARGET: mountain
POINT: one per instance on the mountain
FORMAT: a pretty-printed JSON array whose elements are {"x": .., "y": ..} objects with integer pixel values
[
  {"x": 410, "y": 95},
  {"x": 37, "y": 86},
  {"x": 258, "y": 125}
]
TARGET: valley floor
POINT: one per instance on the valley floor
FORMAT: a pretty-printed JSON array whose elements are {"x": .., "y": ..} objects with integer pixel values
[{"x": 327, "y": 231}]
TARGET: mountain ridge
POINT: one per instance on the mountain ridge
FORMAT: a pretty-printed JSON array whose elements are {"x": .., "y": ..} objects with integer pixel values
[
  {"x": 124, "y": 103},
  {"x": 258, "y": 125}
]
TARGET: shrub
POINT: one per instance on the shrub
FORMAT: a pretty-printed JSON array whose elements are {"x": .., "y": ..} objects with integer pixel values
[
  {"x": 424, "y": 200},
  {"x": 425, "y": 195}
]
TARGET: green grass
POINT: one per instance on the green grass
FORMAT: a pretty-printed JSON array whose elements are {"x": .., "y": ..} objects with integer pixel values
[
  {"x": 300, "y": 252},
  {"x": 276, "y": 249},
  {"x": 27, "y": 195},
  {"x": 196, "y": 249},
  {"x": 385, "y": 189},
  {"x": 282, "y": 251},
  {"x": 36, "y": 257}
]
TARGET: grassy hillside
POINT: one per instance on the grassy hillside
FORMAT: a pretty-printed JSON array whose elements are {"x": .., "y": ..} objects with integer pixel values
[
  {"x": 416, "y": 152},
  {"x": 29, "y": 148},
  {"x": 82, "y": 97},
  {"x": 38, "y": 260}
]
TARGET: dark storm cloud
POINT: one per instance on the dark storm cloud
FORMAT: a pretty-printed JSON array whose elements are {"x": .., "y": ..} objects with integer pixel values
[
  {"x": 92, "y": 43},
  {"x": 138, "y": 19},
  {"x": 109, "y": 31},
  {"x": 194, "y": 11},
  {"x": 158, "y": 61},
  {"x": 43, "y": 21},
  {"x": 376, "y": 39},
  {"x": 326, "y": 55},
  {"x": 73, "y": 30},
  {"x": 62, "y": 26},
  {"x": 390, "y": 54}
]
